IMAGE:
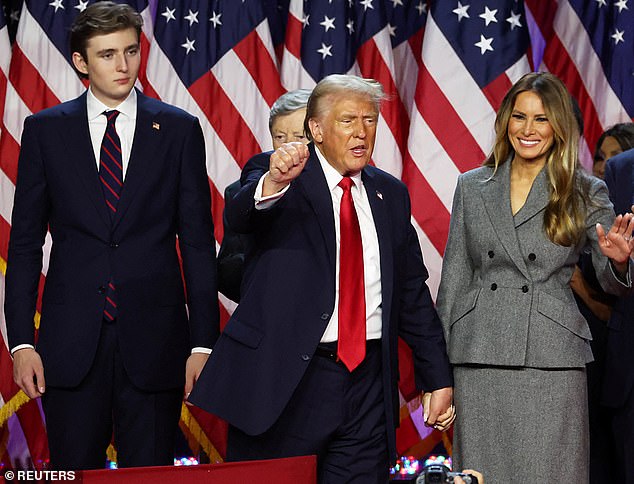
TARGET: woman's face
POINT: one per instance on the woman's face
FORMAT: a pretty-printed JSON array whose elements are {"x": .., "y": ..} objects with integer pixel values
[
  {"x": 609, "y": 147},
  {"x": 529, "y": 130}
]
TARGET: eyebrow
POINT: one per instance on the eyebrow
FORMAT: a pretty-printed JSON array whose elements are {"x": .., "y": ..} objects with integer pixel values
[{"x": 111, "y": 51}]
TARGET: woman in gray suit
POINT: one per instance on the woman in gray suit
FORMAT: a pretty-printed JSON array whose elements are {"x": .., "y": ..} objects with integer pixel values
[{"x": 515, "y": 336}]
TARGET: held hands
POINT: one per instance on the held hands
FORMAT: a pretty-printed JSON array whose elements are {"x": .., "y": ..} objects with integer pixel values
[
  {"x": 286, "y": 163},
  {"x": 193, "y": 368},
  {"x": 439, "y": 411},
  {"x": 617, "y": 244},
  {"x": 28, "y": 372}
]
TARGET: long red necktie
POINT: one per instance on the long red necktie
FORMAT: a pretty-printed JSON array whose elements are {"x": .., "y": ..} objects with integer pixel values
[
  {"x": 111, "y": 176},
  {"x": 351, "y": 347}
]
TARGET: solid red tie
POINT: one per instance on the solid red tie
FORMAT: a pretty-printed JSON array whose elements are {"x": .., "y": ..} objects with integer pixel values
[{"x": 351, "y": 347}]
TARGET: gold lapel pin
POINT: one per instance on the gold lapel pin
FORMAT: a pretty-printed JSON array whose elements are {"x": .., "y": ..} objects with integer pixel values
[{"x": 156, "y": 126}]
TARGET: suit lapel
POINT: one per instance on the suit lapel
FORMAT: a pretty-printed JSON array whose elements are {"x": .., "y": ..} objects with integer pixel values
[
  {"x": 496, "y": 196},
  {"x": 313, "y": 183},
  {"x": 146, "y": 139},
  {"x": 384, "y": 235},
  {"x": 76, "y": 137},
  {"x": 536, "y": 201}
]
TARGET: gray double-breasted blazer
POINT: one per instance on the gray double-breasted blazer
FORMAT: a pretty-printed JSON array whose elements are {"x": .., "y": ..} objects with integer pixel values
[{"x": 504, "y": 297}]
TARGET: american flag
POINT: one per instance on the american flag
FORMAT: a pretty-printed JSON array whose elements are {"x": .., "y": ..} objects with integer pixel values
[
  {"x": 590, "y": 46},
  {"x": 445, "y": 64}
]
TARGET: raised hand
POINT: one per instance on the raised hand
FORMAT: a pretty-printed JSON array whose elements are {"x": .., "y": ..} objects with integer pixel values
[{"x": 286, "y": 163}]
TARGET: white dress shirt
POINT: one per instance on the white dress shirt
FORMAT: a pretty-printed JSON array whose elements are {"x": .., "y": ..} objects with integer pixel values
[{"x": 369, "y": 239}]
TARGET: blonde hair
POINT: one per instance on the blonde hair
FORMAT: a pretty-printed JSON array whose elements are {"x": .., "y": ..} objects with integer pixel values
[
  {"x": 340, "y": 84},
  {"x": 564, "y": 218}
]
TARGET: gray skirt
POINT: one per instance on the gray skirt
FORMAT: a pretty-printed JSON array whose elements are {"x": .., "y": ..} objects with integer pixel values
[{"x": 522, "y": 425}]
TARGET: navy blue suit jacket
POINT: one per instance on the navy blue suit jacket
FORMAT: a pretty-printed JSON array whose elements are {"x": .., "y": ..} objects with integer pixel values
[
  {"x": 288, "y": 295},
  {"x": 618, "y": 380},
  {"x": 165, "y": 194}
]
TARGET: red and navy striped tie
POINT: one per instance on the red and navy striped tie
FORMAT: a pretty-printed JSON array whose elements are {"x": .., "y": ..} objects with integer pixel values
[{"x": 111, "y": 176}]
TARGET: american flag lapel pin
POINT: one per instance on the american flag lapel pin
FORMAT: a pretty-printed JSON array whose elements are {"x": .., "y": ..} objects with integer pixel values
[
  {"x": 156, "y": 126},
  {"x": 379, "y": 194}
]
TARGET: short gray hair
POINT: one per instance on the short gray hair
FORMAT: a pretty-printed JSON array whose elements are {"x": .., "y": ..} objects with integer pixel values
[
  {"x": 339, "y": 83},
  {"x": 288, "y": 103}
]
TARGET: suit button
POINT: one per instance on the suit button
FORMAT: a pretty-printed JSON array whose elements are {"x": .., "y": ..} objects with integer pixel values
[
  {"x": 325, "y": 316},
  {"x": 114, "y": 245},
  {"x": 101, "y": 290},
  {"x": 305, "y": 357},
  {"x": 524, "y": 288},
  {"x": 494, "y": 286},
  {"x": 532, "y": 257},
  {"x": 491, "y": 254}
]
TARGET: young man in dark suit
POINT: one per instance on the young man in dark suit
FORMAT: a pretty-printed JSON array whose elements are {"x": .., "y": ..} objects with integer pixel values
[
  {"x": 308, "y": 362},
  {"x": 116, "y": 177}
]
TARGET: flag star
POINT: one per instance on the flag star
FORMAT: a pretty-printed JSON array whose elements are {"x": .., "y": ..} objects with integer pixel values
[
  {"x": 395, "y": 3},
  {"x": 484, "y": 44},
  {"x": 461, "y": 11},
  {"x": 488, "y": 15},
  {"x": 82, "y": 5},
  {"x": 367, "y": 4},
  {"x": 215, "y": 19},
  {"x": 325, "y": 51},
  {"x": 189, "y": 45},
  {"x": 192, "y": 17},
  {"x": 601, "y": 3},
  {"x": 350, "y": 2},
  {"x": 305, "y": 21},
  {"x": 421, "y": 7},
  {"x": 514, "y": 20},
  {"x": 15, "y": 15},
  {"x": 328, "y": 23},
  {"x": 57, "y": 4},
  {"x": 618, "y": 36},
  {"x": 169, "y": 14},
  {"x": 621, "y": 5},
  {"x": 391, "y": 30},
  {"x": 350, "y": 26}
]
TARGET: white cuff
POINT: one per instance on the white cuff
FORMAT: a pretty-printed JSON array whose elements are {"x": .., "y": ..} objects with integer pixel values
[
  {"x": 262, "y": 203},
  {"x": 201, "y": 349}
]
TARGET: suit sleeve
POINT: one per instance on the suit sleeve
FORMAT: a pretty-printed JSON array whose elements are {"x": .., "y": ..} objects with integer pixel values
[
  {"x": 29, "y": 223},
  {"x": 231, "y": 254},
  {"x": 241, "y": 213},
  {"x": 457, "y": 266},
  {"x": 599, "y": 210},
  {"x": 419, "y": 324},
  {"x": 196, "y": 241}
]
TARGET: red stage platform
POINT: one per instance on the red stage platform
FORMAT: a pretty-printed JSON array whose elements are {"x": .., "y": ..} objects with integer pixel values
[{"x": 293, "y": 470}]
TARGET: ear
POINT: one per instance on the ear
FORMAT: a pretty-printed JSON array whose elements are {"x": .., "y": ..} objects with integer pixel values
[
  {"x": 315, "y": 130},
  {"x": 79, "y": 63}
]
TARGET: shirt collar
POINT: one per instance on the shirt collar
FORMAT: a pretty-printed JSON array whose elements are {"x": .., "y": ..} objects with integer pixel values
[
  {"x": 333, "y": 177},
  {"x": 95, "y": 107}
]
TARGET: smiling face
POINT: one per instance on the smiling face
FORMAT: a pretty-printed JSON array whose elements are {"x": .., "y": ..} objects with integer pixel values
[
  {"x": 112, "y": 64},
  {"x": 345, "y": 131},
  {"x": 529, "y": 131}
]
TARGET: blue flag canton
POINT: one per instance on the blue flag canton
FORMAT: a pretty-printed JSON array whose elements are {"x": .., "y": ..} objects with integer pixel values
[
  {"x": 196, "y": 34},
  {"x": 610, "y": 26},
  {"x": 56, "y": 18},
  {"x": 333, "y": 31},
  {"x": 489, "y": 36},
  {"x": 405, "y": 18},
  {"x": 3, "y": 21}
]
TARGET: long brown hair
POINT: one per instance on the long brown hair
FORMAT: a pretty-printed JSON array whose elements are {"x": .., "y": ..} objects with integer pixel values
[{"x": 564, "y": 218}]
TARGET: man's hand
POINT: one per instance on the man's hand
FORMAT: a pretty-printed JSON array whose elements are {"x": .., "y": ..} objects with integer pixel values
[
  {"x": 286, "y": 163},
  {"x": 193, "y": 367},
  {"x": 28, "y": 372},
  {"x": 439, "y": 410}
]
